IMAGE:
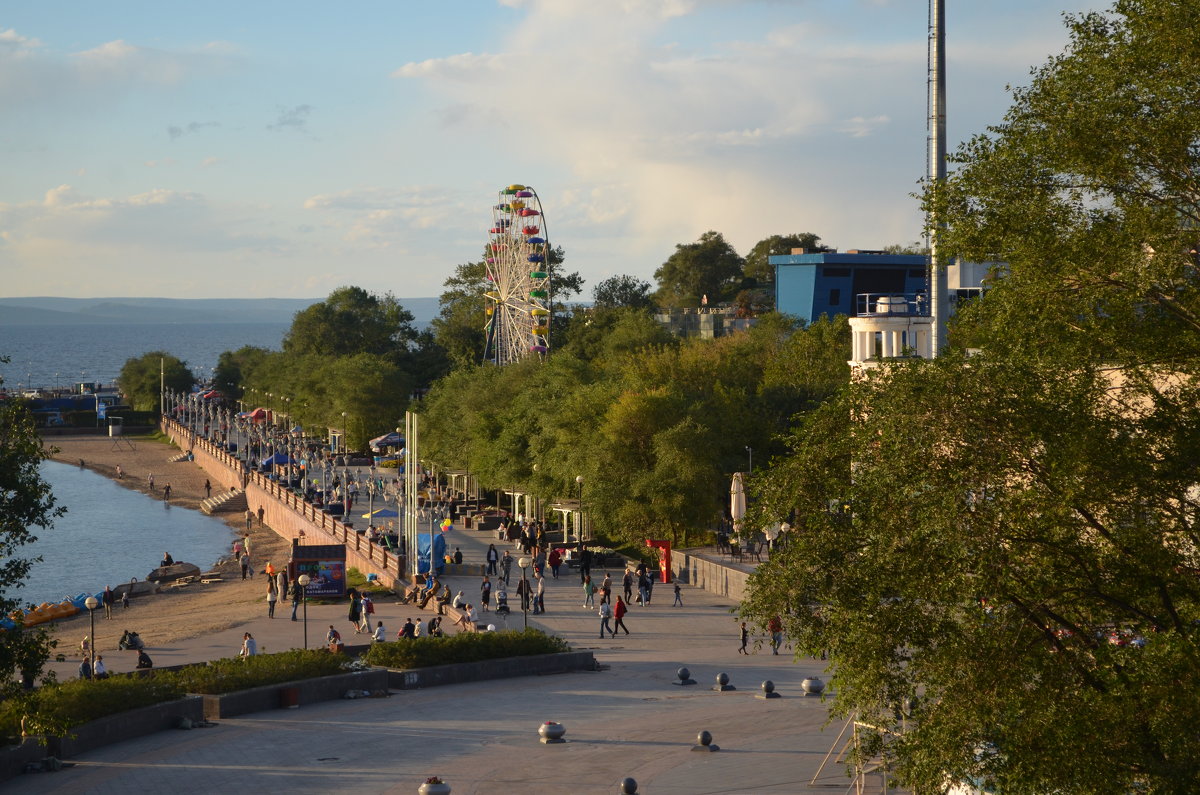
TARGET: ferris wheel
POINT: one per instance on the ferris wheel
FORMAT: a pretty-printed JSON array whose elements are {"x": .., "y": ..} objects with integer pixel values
[{"x": 518, "y": 270}]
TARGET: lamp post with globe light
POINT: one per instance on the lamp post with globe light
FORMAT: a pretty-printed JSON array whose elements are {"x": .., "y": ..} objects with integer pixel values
[
  {"x": 523, "y": 563},
  {"x": 303, "y": 581},
  {"x": 92, "y": 603},
  {"x": 579, "y": 529}
]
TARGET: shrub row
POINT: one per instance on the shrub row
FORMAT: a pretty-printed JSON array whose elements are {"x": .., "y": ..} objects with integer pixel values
[
  {"x": 56, "y": 707},
  {"x": 53, "y": 709},
  {"x": 465, "y": 647}
]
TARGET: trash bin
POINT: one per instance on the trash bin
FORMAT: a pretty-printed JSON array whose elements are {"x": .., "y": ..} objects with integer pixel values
[
  {"x": 467, "y": 522},
  {"x": 289, "y": 697}
]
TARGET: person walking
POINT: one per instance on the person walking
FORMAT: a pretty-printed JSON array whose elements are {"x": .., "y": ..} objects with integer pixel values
[
  {"x": 355, "y": 614},
  {"x": 485, "y": 593},
  {"x": 125, "y": 599},
  {"x": 272, "y": 596},
  {"x": 297, "y": 594},
  {"x": 207, "y": 489},
  {"x": 108, "y": 598},
  {"x": 678, "y": 597},
  {"x": 166, "y": 492},
  {"x": 745, "y": 639},
  {"x": 506, "y": 563},
  {"x": 589, "y": 591},
  {"x": 493, "y": 557},
  {"x": 555, "y": 560},
  {"x": 539, "y": 602},
  {"x": 627, "y": 582},
  {"x": 249, "y": 646},
  {"x": 245, "y": 561},
  {"x": 619, "y": 614},
  {"x": 605, "y": 614},
  {"x": 150, "y": 480},
  {"x": 775, "y": 627},
  {"x": 249, "y": 521},
  {"x": 366, "y": 610}
]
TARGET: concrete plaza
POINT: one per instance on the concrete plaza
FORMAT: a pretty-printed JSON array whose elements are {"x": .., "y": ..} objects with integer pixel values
[{"x": 628, "y": 719}]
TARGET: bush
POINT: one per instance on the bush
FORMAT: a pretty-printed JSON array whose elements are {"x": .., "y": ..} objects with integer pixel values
[
  {"x": 55, "y": 708},
  {"x": 358, "y": 581},
  {"x": 466, "y": 647},
  {"x": 236, "y": 673}
]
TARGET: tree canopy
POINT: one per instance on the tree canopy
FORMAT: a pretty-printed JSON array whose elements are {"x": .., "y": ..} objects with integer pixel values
[
  {"x": 758, "y": 267},
  {"x": 709, "y": 268},
  {"x": 350, "y": 321},
  {"x": 26, "y": 502},
  {"x": 141, "y": 379},
  {"x": 999, "y": 553},
  {"x": 622, "y": 291}
]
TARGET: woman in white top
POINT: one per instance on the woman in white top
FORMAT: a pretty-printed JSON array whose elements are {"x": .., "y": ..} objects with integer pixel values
[
  {"x": 249, "y": 646},
  {"x": 380, "y": 634}
]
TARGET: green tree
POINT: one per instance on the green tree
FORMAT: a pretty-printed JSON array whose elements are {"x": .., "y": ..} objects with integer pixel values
[
  {"x": 971, "y": 532},
  {"x": 234, "y": 369},
  {"x": 351, "y": 321},
  {"x": 459, "y": 327},
  {"x": 622, "y": 291},
  {"x": 708, "y": 268},
  {"x": 140, "y": 380},
  {"x": 27, "y": 503},
  {"x": 758, "y": 266}
]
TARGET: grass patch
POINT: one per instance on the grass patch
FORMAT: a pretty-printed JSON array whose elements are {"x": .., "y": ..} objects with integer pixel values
[
  {"x": 465, "y": 647},
  {"x": 357, "y": 580}
]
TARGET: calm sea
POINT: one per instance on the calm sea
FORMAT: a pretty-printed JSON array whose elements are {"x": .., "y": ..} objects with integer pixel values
[
  {"x": 111, "y": 534},
  {"x": 49, "y": 356}
]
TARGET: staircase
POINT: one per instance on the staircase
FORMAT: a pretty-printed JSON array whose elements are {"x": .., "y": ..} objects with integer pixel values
[{"x": 226, "y": 502}]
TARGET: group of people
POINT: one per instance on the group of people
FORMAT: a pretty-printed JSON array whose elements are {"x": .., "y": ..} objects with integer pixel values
[{"x": 131, "y": 641}]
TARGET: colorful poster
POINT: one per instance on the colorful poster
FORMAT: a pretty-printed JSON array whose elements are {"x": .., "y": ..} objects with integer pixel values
[{"x": 328, "y": 577}]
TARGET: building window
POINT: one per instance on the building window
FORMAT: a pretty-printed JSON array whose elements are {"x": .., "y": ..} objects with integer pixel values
[
  {"x": 835, "y": 272},
  {"x": 835, "y": 297}
]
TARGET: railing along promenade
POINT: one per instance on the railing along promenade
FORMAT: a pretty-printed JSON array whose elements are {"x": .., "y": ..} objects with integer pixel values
[{"x": 286, "y": 513}]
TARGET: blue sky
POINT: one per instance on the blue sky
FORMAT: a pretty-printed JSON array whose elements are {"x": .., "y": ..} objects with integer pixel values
[{"x": 272, "y": 149}]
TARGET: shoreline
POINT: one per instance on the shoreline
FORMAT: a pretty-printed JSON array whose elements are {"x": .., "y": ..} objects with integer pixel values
[{"x": 177, "y": 614}]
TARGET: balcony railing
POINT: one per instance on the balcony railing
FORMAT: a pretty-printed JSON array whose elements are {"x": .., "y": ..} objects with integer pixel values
[{"x": 891, "y": 305}]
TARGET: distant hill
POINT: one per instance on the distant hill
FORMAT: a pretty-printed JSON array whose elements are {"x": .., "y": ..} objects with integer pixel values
[{"x": 52, "y": 311}]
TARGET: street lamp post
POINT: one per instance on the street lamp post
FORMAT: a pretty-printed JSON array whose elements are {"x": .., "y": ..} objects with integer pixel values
[
  {"x": 92, "y": 603},
  {"x": 523, "y": 563},
  {"x": 579, "y": 529},
  {"x": 303, "y": 581}
]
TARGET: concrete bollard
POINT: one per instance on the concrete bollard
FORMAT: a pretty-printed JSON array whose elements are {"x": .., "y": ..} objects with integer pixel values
[
  {"x": 434, "y": 786},
  {"x": 704, "y": 743},
  {"x": 768, "y": 690},
  {"x": 722, "y": 684},
  {"x": 812, "y": 686},
  {"x": 552, "y": 732},
  {"x": 685, "y": 677},
  {"x": 628, "y": 787}
]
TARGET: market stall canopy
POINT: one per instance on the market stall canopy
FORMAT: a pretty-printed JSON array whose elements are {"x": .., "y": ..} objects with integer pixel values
[
  {"x": 381, "y": 513},
  {"x": 391, "y": 439},
  {"x": 278, "y": 458}
]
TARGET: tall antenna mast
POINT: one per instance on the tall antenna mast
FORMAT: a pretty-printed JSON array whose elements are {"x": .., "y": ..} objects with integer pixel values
[{"x": 938, "y": 303}]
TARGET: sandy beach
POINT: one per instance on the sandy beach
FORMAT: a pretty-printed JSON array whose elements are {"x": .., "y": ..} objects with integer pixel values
[{"x": 179, "y": 614}]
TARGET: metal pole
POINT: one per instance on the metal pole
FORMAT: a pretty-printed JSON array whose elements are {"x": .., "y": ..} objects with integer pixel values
[{"x": 938, "y": 285}]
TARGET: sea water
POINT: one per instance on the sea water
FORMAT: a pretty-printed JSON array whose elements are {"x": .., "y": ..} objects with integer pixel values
[{"x": 111, "y": 534}]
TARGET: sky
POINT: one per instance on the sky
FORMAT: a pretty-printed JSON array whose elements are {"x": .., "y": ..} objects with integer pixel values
[{"x": 284, "y": 149}]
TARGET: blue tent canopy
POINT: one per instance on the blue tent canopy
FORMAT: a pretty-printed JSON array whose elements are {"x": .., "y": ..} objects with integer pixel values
[{"x": 278, "y": 458}]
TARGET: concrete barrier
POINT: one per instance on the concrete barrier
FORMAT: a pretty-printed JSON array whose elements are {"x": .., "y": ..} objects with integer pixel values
[
  {"x": 310, "y": 691},
  {"x": 709, "y": 575},
  {"x": 505, "y": 668},
  {"x": 13, "y": 758},
  {"x": 125, "y": 726}
]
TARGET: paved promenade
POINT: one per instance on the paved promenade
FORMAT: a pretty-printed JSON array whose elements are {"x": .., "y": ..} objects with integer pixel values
[{"x": 626, "y": 720}]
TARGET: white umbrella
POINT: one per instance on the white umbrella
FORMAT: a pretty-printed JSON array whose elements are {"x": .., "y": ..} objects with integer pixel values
[{"x": 737, "y": 502}]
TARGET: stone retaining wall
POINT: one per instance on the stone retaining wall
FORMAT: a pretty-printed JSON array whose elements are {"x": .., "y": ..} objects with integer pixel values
[
  {"x": 709, "y": 575},
  {"x": 506, "y": 668},
  {"x": 310, "y": 691},
  {"x": 125, "y": 726}
]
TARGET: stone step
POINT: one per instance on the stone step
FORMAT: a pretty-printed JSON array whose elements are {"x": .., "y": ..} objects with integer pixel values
[{"x": 225, "y": 502}]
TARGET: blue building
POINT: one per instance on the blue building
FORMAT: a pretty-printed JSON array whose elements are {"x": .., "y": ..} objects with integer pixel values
[{"x": 828, "y": 283}]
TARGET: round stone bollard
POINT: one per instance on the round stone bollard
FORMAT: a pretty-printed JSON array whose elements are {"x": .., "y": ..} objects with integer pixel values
[
  {"x": 684, "y": 676},
  {"x": 552, "y": 732},
  {"x": 434, "y": 786},
  {"x": 812, "y": 686},
  {"x": 768, "y": 690},
  {"x": 704, "y": 742},
  {"x": 722, "y": 684},
  {"x": 628, "y": 787}
]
